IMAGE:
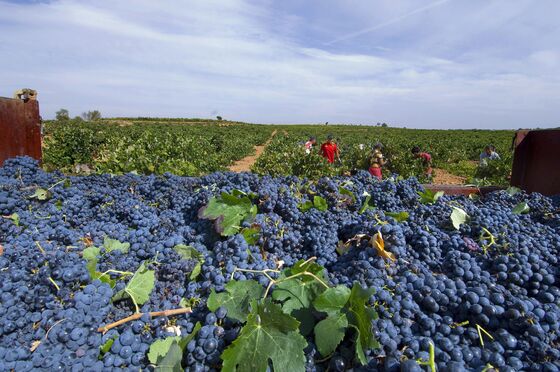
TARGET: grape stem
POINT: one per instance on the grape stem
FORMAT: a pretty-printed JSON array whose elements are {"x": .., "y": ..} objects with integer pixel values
[{"x": 152, "y": 314}]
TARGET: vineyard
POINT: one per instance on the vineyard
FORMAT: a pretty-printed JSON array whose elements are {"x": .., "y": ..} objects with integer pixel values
[
  {"x": 195, "y": 147},
  {"x": 111, "y": 259}
]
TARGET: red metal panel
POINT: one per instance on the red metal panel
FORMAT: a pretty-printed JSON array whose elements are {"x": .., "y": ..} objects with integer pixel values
[
  {"x": 536, "y": 162},
  {"x": 20, "y": 129},
  {"x": 462, "y": 190}
]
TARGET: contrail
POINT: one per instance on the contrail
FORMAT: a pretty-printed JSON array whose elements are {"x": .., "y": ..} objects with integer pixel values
[{"x": 389, "y": 22}]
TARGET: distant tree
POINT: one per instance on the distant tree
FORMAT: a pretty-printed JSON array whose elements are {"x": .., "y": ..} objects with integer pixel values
[
  {"x": 384, "y": 125},
  {"x": 62, "y": 114},
  {"x": 219, "y": 117},
  {"x": 91, "y": 115}
]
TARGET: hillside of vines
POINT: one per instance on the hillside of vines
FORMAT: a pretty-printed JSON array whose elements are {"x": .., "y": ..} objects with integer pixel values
[{"x": 193, "y": 147}]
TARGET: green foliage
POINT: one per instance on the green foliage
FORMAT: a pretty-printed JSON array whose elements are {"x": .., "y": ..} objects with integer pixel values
[
  {"x": 521, "y": 208},
  {"x": 318, "y": 203},
  {"x": 14, "y": 217},
  {"x": 139, "y": 287},
  {"x": 40, "y": 194},
  {"x": 367, "y": 204},
  {"x": 300, "y": 303},
  {"x": 111, "y": 245},
  {"x": 236, "y": 298},
  {"x": 103, "y": 349},
  {"x": 429, "y": 197},
  {"x": 190, "y": 253},
  {"x": 268, "y": 334},
  {"x": 186, "y": 147},
  {"x": 398, "y": 216},
  {"x": 458, "y": 217},
  {"x": 228, "y": 211},
  {"x": 62, "y": 115},
  {"x": 161, "y": 348}
]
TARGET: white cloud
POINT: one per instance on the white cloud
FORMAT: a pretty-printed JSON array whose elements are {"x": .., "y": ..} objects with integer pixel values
[{"x": 250, "y": 61}]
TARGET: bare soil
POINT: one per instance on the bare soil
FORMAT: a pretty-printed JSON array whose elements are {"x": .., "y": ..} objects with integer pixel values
[
  {"x": 443, "y": 177},
  {"x": 245, "y": 164}
]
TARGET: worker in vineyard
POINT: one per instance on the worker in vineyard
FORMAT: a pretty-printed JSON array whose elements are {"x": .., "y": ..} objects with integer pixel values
[
  {"x": 329, "y": 150},
  {"x": 426, "y": 160},
  {"x": 377, "y": 161},
  {"x": 489, "y": 153},
  {"x": 309, "y": 144}
]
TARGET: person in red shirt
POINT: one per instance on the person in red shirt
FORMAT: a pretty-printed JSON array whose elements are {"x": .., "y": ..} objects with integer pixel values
[
  {"x": 426, "y": 160},
  {"x": 329, "y": 150}
]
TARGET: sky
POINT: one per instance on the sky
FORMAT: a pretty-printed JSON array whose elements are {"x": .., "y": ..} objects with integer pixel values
[{"x": 410, "y": 63}]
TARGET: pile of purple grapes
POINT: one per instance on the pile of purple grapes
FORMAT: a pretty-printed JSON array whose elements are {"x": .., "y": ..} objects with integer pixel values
[{"x": 485, "y": 293}]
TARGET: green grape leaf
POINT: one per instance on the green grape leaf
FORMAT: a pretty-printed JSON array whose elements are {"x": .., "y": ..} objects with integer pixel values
[
  {"x": 40, "y": 194},
  {"x": 58, "y": 204},
  {"x": 190, "y": 253},
  {"x": 300, "y": 291},
  {"x": 521, "y": 208},
  {"x": 360, "y": 316},
  {"x": 159, "y": 348},
  {"x": 344, "y": 191},
  {"x": 320, "y": 203},
  {"x": 429, "y": 197},
  {"x": 458, "y": 217},
  {"x": 171, "y": 362},
  {"x": 251, "y": 234},
  {"x": 14, "y": 217},
  {"x": 185, "y": 340},
  {"x": 236, "y": 299},
  {"x": 103, "y": 349},
  {"x": 228, "y": 212},
  {"x": 329, "y": 333},
  {"x": 115, "y": 245},
  {"x": 269, "y": 334},
  {"x": 398, "y": 216},
  {"x": 91, "y": 254},
  {"x": 366, "y": 205},
  {"x": 139, "y": 287},
  {"x": 512, "y": 190},
  {"x": 304, "y": 207},
  {"x": 332, "y": 300}
]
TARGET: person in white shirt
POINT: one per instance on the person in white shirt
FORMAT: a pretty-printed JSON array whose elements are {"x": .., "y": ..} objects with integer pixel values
[
  {"x": 489, "y": 153},
  {"x": 309, "y": 144}
]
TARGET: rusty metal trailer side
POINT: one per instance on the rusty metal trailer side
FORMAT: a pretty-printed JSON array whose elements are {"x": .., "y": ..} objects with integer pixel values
[{"x": 20, "y": 128}]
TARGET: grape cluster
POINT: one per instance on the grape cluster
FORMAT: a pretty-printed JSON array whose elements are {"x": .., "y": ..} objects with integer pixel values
[{"x": 498, "y": 273}]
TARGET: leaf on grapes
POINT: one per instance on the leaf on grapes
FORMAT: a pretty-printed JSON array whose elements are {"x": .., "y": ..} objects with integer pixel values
[
  {"x": 306, "y": 319},
  {"x": 40, "y": 194},
  {"x": 344, "y": 191},
  {"x": 228, "y": 212},
  {"x": 366, "y": 205},
  {"x": 378, "y": 243},
  {"x": 188, "y": 252},
  {"x": 107, "y": 346},
  {"x": 329, "y": 333},
  {"x": 14, "y": 217},
  {"x": 458, "y": 217},
  {"x": 58, "y": 204},
  {"x": 139, "y": 287},
  {"x": 269, "y": 334},
  {"x": 115, "y": 245},
  {"x": 332, "y": 300},
  {"x": 91, "y": 254},
  {"x": 429, "y": 197},
  {"x": 185, "y": 340},
  {"x": 360, "y": 316},
  {"x": 171, "y": 362},
  {"x": 304, "y": 207},
  {"x": 320, "y": 203},
  {"x": 251, "y": 234},
  {"x": 398, "y": 216},
  {"x": 521, "y": 208},
  {"x": 512, "y": 190},
  {"x": 236, "y": 299},
  {"x": 160, "y": 348}
]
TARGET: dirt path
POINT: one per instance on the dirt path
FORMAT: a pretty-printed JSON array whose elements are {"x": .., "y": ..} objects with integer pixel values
[
  {"x": 245, "y": 164},
  {"x": 443, "y": 177}
]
